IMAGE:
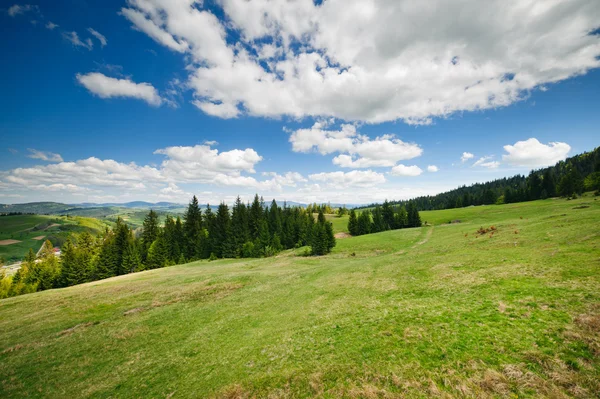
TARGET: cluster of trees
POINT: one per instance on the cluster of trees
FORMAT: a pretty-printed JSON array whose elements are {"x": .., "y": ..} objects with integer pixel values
[
  {"x": 314, "y": 208},
  {"x": 35, "y": 274},
  {"x": 248, "y": 230},
  {"x": 567, "y": 178},
  {"x": 383, "y": 218}
]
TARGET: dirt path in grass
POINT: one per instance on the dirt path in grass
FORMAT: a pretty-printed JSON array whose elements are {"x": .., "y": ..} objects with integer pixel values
[
  {"x": 424, "y": 240},
  {"x": 342, "y": 235}
]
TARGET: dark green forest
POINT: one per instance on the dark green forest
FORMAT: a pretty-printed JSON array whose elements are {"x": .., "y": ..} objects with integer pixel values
[{"x": 567, "y": 178}]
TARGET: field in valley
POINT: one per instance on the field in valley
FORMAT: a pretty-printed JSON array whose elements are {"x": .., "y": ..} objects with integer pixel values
[
  {"x": 434, "y": 311},
  {"x": 22, "y": 232}
]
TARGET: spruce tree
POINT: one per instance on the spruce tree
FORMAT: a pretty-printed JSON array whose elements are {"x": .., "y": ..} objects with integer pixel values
[
  {"x": 222, "y": 234},
  {"x": 387, "y": 212},
  {"x": 353, "y": 223},
  {"x": 149, "y": 232},
  {"x": 254, "y": 218},
  {"x": 364, "y": 222},
  {"x": 192, "y": 226}
]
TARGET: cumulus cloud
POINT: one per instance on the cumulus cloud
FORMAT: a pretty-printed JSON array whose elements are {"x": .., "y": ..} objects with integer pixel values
[
  {"x": 486, "y": 162},
  {"x": 98, "y": 36},
  {"x": 107, "y": 87},
  {"x": 357, "y": 151},
  {"x": 73, "y": 37},
  {"x": 466, "y": 156},
  {"x": 532, "y": 153},
  {"x": 374, "y": 61},
  {"x": 203, "y": 164},
  {"x": 354, "y": 178},
  {"x": 403, "y": 170},
  {"x": 51, "y": 25},
  {"x": 44, "y": 156},
  {"x": 432, "y": 168}
]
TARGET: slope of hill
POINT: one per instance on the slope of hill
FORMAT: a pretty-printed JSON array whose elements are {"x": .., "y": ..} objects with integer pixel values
[
  {"x": 19, "y": 233},
  {"x": 433, "y": 311}
]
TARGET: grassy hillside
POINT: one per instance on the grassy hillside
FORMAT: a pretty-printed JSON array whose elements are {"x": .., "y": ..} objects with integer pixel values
[
  {"x": 30, "y": 231},
  {"x": 408, "y": 313}
]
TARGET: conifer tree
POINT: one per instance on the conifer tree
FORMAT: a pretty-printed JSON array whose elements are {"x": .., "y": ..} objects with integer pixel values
[
  {"x": 364, "y": 222},
  {"x": 222, "y": 234},
  {"x": 192, "y": 226},
  {"x": 254, "y": 218},
  {"x": 378, "y": 222},
  {"x": 387, "y": 212},
  {"x": 353, "y": 223},
  {"x": 414, "y": 220},
  {"x": 149, "y": 232}
]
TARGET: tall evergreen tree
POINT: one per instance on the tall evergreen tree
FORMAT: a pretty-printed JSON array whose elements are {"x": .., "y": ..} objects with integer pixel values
[
  {"x": 150, "y": 229},
  {"x": 387, "y": 211},
  {"x": 222, "y": 234},
  {"x": 413, "y": 217},
  {"x": 192, "y": 226},
  {"x": 364, "y": 222},
  {"x": 353, "y": 223}
]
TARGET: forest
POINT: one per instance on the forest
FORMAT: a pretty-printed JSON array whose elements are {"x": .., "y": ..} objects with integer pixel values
[
  {"x": 383, "y": 218},
  {"x": 246, "y": 231},
  {"x": 567, "y": 178}
]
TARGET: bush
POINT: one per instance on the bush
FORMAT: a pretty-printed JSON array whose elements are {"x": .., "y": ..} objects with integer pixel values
[{"x": 212, "y": 257}]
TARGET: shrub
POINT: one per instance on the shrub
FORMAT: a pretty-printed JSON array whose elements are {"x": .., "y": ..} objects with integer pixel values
[{"x": 212, "y": 257}]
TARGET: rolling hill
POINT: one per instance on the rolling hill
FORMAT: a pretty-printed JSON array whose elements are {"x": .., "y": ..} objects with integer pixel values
[{"x": 435, "y": 311}]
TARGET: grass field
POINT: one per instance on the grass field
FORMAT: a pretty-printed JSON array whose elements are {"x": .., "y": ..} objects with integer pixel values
[
  {"x": 28, "y": 230},
  {"x": 435, "y": 311}
]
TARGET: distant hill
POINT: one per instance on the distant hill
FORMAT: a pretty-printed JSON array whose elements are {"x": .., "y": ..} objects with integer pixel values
[{"x": 133, "y": 204}]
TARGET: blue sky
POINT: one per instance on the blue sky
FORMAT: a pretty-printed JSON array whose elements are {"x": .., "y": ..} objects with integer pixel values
[{"x": 169, "y": 99}]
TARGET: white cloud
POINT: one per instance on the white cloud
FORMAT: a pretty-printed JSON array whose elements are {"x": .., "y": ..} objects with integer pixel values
[
  {"x": 357, "y": 151},
  {"x": 51, "y": 25},
  {"x": 204, "y": 164},
  {"x": 466, "y": 156},
  {"x": 373, "y": 61},
  {"x": 354, "y": 178},
  {"x": 486, "y": 162},
  {"x": 17, "y": 9},
  {"x": 432, "y": 168},
  {"x": 403, "y": 170},
  {"x": 98, "y": 36},
  {"x": 73, "y": 37},
  {"x": 44, "y": 156},
  {"x": 532, "y": 153},
  {"x": 107, "y": 87}
]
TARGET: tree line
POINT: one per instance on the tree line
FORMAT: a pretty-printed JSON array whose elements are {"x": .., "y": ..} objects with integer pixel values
[
  {"x": 384, "y": 217},
  {"x": 567, "y": 178},
  {"x": 246, "y": 231}
]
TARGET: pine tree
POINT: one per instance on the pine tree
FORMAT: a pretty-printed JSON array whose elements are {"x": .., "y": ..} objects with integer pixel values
[
  {"x": 389, "y": 223},
  {"x": 106, "y": 264},
  {"x": 240, "y": 233},
  {"x": 275, "y": 219},
  {"x": 414, "y": 219},
  {"x": 149, "y": 232},
  {"x": 378, "y": 222},
  {"x": 158, "y": 254},
  {"x": 364, "y": 222},
  {"x": 132, "y": 260},
  {"x": 192, "y": 226},
  {"x": 70, "y": 269},
  {"x": 222, "y": 234},
  {"x": 353, "y": 223},
  {"x": 254, "y": 218}
]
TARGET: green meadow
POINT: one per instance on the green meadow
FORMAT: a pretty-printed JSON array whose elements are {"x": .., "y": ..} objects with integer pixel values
[
  {"x": 30, "y": 231},
  {"x": 437, "y": 311}
]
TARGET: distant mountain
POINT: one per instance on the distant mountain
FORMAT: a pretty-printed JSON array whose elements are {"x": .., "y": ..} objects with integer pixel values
[
  {"x": 133, "y": 204},
  {"x": 92, "y": 209}
]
